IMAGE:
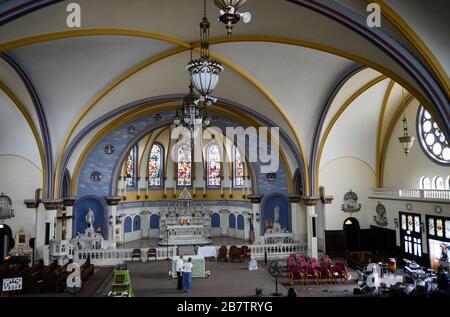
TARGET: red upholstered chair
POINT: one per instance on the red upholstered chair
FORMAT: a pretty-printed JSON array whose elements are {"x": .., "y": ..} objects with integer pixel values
[
  {"x": 136, "y": 254},
  {"x": 245, "y": 253},
  {"x": 339, "y": 271},
  {"x": 325, "y": 272},
  {"x": 295, "y": 274},
  {"x": 235, "y": 253},
  {"x": 222, "y": 255},
  {"x": 151, "y": 254}
]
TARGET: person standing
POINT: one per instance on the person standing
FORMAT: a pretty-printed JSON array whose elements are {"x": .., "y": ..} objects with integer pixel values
[
  {"x": 187, "y": 275},
  {"x": 179, "y": 269}
]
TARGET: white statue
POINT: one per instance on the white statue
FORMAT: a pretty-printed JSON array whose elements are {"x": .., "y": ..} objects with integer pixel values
[
  {"x": 90, "y": 219},
  {"x": 276, "y": 214}
]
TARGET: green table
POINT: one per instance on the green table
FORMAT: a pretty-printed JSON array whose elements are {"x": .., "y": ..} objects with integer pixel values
[{"x": 198, "y": 268}]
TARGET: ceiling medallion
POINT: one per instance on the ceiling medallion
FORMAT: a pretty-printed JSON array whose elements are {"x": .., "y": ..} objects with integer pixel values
[
  {"x": 109, "y": 149},
  {"x": 438, "y": 209},
  {"x": 409, "y": 206},
  {"x": 229, "y": 14},
  {"x": 132, "y": 129},
  {"x": 96, "y": 177},
  {"x": 271, "y": 177},
  {"x": 157, "y": 117}
]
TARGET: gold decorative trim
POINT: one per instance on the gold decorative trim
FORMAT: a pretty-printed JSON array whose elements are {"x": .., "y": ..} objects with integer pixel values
[
  {"x": 336, "y": 116},
  {"x": 8, "y": 92}
]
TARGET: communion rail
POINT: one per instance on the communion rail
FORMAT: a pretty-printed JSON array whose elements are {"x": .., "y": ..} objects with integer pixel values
[
  {"x": 273, "y": 251},
  {"x": 111, "y": 257}
]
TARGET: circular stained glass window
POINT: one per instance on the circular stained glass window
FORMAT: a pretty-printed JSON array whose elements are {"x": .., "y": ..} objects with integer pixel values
[{"x": 432, "y": 138}]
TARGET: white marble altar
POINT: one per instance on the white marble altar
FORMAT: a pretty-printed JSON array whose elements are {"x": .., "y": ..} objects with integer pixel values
[{"x": 185, "y": 235}]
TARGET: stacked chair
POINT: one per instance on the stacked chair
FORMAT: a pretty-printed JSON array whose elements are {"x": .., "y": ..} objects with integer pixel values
[{"x": 303, "y": 269}]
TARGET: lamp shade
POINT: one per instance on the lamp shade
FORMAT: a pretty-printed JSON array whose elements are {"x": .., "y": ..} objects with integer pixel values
[
  {"x": 226, "y": 4},
  {"x": 205, "y": 74},
  {"x": 407, "y": 143}
]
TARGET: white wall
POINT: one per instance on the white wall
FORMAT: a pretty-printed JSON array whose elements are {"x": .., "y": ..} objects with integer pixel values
[
  {"x": 338, "y": 177},
  {"x": 19, "y": 180},
  {"x": 405, "y": 171}
]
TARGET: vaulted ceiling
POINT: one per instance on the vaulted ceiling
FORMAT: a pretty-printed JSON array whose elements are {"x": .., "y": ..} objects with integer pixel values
[{"x": 283, "y": 65}]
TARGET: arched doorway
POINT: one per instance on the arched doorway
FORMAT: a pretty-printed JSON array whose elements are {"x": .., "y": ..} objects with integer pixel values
[
  {"x": 6, "y": 241},
  {"x": 351, "y": 234}
]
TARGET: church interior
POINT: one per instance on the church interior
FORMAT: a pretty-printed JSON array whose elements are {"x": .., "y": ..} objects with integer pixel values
[{"x": 282, "y": 147}]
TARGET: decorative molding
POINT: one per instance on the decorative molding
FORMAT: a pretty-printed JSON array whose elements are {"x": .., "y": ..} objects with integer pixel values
[
  {"x": 327, "y": 199},
  {"x": 112, "y": 201},
  {"x": 310, "y": 200},
  {"x": 69, "y": 201},
  {"x": 295, "y": 198},
  {"x": 52, "y": 204},
  {"x": 32, "y": 203},
  {"x": 255, "y": 198}
]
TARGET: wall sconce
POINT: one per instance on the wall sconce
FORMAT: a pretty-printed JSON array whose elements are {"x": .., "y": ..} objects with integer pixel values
[
  {"x": 396, "y": 222},
  {"x": 257, "y": 216}
]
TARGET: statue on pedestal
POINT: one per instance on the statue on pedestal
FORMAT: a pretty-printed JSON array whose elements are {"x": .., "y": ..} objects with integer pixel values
[
  {"x": 90, "y": 217},
  {"x": 276, "y": 218}
]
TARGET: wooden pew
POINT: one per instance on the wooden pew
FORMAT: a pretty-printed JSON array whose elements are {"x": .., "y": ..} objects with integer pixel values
[
  {"x": 56, "y": 280},
  {"x": 87, "y": 270}
]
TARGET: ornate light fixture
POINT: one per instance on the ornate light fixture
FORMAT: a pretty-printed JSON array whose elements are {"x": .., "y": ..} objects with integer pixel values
[
  {"x": 229, "y": 14},
  {"x": 406, "y": 140},
  {"x": 205, "y": 71},
  {"x": 191, "y": 116},
  {"x": 6, "y": 210}
]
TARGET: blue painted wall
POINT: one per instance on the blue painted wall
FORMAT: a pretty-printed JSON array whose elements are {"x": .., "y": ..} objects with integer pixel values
[
  {"x": 100, "y": 209},
  {"x": 232, "y": 221},
  {"x": 268, "y": 204},
  {"x": 215, "y": 220},
  {"x": 154, "y": 221},
  {"x": 127, "y": 224},
  {"x": 240, "y": 222}
]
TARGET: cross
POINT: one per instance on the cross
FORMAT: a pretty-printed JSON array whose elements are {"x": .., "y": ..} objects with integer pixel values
[{"x": 64, "y": 218}]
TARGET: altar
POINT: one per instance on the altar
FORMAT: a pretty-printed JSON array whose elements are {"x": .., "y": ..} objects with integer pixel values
[
  {"x": 185, "y": 235},
  {"x": 198, "y": 265}
]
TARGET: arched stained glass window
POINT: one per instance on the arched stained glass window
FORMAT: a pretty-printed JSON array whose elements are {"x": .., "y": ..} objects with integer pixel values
[
  {"x": 425, "y": 183},
  {"x": 184, "y": 166},
  {"x": 213, "y": 166},
  {"x": 438, "y": 182},
  {"x": 130, "y": 167},
  {"x": 155, "y": 166},
  {"x": 432, "y": 138},
  {"x": 238, "y": 168}
]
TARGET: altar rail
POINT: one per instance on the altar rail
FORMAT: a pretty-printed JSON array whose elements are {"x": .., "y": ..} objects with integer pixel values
[
  {"x": 119, "y": 256},
  {"x": 410, "y": 193},
  {"x": 274, "y": 251}
]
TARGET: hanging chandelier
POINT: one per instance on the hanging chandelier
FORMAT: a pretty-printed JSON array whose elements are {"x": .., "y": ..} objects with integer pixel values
[
  {"x": 204, "y": 71},
  {"x": 229, "y": 14},
  {"x": 191, "y": 116},
  {"x": 406, "y": 140}
]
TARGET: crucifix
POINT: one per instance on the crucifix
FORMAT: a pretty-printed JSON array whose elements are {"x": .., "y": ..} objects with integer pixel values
[{"x": 63, "y": 219}]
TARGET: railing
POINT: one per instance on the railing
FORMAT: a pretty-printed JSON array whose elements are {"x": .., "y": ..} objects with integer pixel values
[
  {"x": 273, "y": 251},
  {"x": 432, "y": 194},
  {"x": 117, "y": 256}
]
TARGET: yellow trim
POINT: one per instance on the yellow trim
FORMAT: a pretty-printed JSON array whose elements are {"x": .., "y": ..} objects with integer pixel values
[
  {"x": 145, "y": 110},
  {"x": 400, "y": 108},
  {"x": 8, "y": 92},
  {"x": 336, "y": 116},
  {"x": 183, "y": 46},
  {"x": 150, "y": 149},
  {"x": 26, "y": 159},
  {"x": 142, "y": 155},
  {"x": 380, "y": 127},
  {"x": 401, "y": 25},
  {"x": 348, "y": 156},
  {"x": 158, "y": 195}
]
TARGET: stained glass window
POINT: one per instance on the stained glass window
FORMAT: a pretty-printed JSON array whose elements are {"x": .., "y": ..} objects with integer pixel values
[
  {"x": 403, "y": 222},
  {"x": 425, "y": 183},
  {"x": 416, "y": 224},
  {"x": 432, "y": 138},
  {"x": 438, "y": 183},
  {"x": 431, "y": 229},
  {"x": 238, "y": 168},
  {"x": 184, "y": 166},
  {"x": 447, "y": 229},
  {"x": 410, "y": 223},
  {"x": 214, "y": 165},
  {"x": 155, "y": 166},
  {"x": 130, "y": 167},
  {"x": 439, "y": 228}
]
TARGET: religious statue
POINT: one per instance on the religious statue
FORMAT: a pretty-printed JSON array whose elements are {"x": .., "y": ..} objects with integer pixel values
[
  {"x": 90, "y": 219},
  {"x": 276, "y": 214}
]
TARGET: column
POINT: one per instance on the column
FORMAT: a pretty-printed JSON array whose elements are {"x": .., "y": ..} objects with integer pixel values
[
  {"x": 51, "y": 209},
  {"x": 38, "y": 233},
  {"x": 256, "y": 206},
  {"x": 295, "y": 200},
  {"x": 311, "y": 220},
  {"x": 113, "y": 222},
  {"x": 326, "y": 200},
  {"x": 68, "y": 204}
]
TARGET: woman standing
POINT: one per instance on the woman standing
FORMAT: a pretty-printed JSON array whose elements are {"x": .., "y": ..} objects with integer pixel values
[{"x": 187, "y": 275}]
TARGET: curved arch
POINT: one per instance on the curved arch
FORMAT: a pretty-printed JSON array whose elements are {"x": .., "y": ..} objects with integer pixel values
[
  {"x": 30, "y": 122},
  {"x": 154, "y": 221},
  {"x": 161, "y": 165},
  {"x": 100, "y": 209},
  {"x": 232, "y": 221},
  {"x": 349, "y": 156},
  {"x": 26, "y": 159},
  {"x": 127, "y": 224},
  {"x": 268, "y": 203},
  {"x": 447, "y": 183},
  {"x": 215, "y": 220},
  {"x": 240, "y": 222},
  {"x": 136, "y": 223}
]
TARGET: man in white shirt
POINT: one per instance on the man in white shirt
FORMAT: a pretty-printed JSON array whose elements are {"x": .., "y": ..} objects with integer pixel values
[{"x": 179, "y": 268}]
